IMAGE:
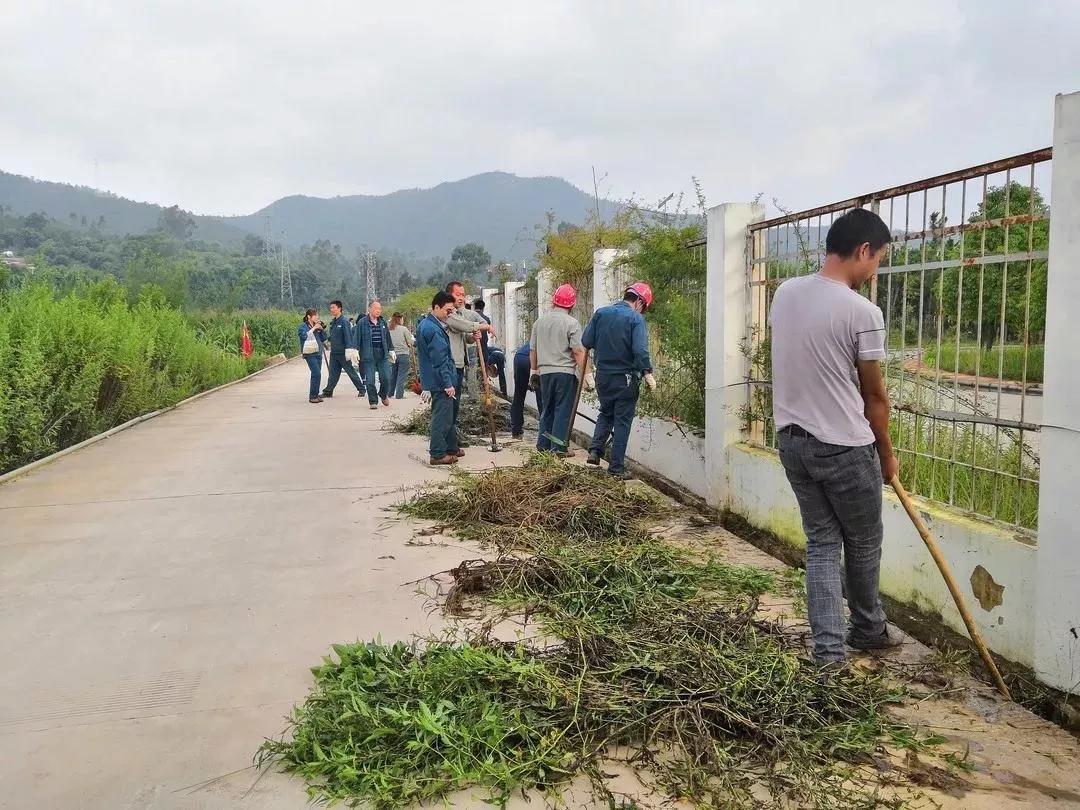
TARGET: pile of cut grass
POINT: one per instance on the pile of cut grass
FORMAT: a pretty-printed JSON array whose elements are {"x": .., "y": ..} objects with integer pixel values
[
  {"x": 510, "y": 506},
  {"x": 647, "y": 649},
  {"x": 472, "y": 419}
]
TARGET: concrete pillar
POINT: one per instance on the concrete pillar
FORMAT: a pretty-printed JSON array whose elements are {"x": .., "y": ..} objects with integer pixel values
[
  {"x": 1057, "y": 606},
  {"x": 512, "y": 338},
  {"x": 545, "y": 286},
  {"x": 725, "y": 329},
  {"x": 606, "y": 277}
]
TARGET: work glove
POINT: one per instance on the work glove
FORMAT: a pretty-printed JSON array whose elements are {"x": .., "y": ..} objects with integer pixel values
[
  {"x": 352, "y": 356},
  {"x": 393, "y": 357},
  {"x": 650, "y": 381},
  {"x": 534, "y": 382},
  {"x": 425, "y": 397},
  {"x": 590, "y": 381}
]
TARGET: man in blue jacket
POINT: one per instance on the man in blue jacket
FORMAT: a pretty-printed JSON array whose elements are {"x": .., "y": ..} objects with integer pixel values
[
  {"x": 619, "y": 338},
  {"x": 522, "y": 371},
  {"x": 438, "y": 376},
  {"x": 376, "y": 354},
  {"x": 343, "y": 354}
]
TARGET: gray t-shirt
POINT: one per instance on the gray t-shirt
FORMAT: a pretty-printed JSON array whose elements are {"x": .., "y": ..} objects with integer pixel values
[
  {"x": 820, "y": 329},
  {"x": 554, "y": 337}
]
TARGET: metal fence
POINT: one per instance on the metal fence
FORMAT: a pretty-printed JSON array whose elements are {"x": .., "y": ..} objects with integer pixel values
[{"x": 963, "y": 292}]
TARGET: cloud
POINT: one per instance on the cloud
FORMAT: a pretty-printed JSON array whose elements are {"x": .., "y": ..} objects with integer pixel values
[{"x": 225, "y": 106}]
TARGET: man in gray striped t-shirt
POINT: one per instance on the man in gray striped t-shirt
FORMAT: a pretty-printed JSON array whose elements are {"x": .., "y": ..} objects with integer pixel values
[{"x": 831, "y": 410}]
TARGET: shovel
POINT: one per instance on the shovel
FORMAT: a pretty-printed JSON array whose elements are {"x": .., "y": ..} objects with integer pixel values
[
  {"x": 489, "y": 406},
  {"x": 943, "y": 567}
]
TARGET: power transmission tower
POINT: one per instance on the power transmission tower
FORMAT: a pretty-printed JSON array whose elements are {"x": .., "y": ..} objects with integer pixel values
[
  {"x": 370, "y": 271},
  {"x": 286, "y": 273}
]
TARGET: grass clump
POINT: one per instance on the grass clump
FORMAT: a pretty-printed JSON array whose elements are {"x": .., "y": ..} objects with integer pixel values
[
  {"x": 508, "y": 505},
  {"x": 472, "y": 419},
  {"x": 578, "y": 589},
  {"x": 1010, "y": 359}
]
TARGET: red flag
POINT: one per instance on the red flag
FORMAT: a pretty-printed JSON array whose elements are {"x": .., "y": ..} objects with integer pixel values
[{"x": 246, "y": 348}]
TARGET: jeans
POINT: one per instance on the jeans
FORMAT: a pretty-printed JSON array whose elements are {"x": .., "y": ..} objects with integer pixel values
[
  {"x": 444, "y": 439},
  {"x": 839, "y": 493},
  {"x": 497, "y": 359},
  {"x": 399, "y": 373},
  {"x": 556, "y": 405},
  {"x": 618, "y": 395},
  {"x": 314, "y": 364},
  {"x": 380, "y": 362},
  {"x": 521, "y": 388},
  {"x": 338, "y": 363}
]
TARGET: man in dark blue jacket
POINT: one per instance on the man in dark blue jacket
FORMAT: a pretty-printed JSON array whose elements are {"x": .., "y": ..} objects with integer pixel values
[
  {"x": 619, "y": 338},
  {"x": 342, "y": 352},
  {"x": 438, "y": 376},
  {"x": 522, "y": 370},
  {"x": 376, "y": 353}
]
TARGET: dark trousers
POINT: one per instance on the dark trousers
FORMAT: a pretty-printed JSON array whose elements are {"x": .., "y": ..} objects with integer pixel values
[
  {"x": 618, "y": 395},
  {"x": 399, "y": 375},
  {"x": 314, "y": 364},
  {"x": 338, "y": 363},
  {"x": 556, "y": 404},
  {"x": 458, "y": 388},
  {"x": 521, "y": 388},
  {"x": 839, "y": 493},
  {"x": 380, "y": 363},
  {"x": 444, "y": 440},
  {"x": 497, "y": 359}
]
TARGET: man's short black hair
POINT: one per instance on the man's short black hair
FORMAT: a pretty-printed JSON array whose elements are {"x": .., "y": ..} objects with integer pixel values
[
  {"x": 441, "y": 299},
  {"x": 478, "y": 303},
  {"x": 336, "y": 303},
  {"x": 453, "y": 284},
  {"x": 855, "y": 228}
]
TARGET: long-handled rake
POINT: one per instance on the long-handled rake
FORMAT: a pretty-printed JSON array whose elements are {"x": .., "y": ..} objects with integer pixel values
[{"x": 943, "y": 567}]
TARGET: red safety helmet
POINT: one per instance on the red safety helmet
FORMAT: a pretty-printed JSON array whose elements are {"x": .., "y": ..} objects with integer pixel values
[
  {"x": 566, "y": 296},
  {"x": 642, "y": 291}
]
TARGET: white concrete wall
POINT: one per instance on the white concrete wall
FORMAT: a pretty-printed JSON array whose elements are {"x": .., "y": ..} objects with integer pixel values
[
  {"x": 605, "y": 282},
  {"x": 1057, "y": 630},
  {"x": 511, "y": 337},
  {"x": 761, "y": 494}
]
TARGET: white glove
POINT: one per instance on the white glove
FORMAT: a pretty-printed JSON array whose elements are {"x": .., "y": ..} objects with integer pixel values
[
  {"x": 650, "y": 381},
  {"x": 352, "y": 356},
  {"x": 393, "y": 357},
  {"x": 590, "y": 381},
  {"x": 425, "y": 397}
]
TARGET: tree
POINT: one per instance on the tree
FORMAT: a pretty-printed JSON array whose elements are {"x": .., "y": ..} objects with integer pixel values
[
  {"x": 254, "y": 245},
  {"x": 413, "y": 304},
  {"x": 176, "y": 221},
  {"x": 468, "y": 261}
]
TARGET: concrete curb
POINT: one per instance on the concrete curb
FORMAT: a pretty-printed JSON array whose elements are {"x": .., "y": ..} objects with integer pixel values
[{"x": 18, "y": 472}]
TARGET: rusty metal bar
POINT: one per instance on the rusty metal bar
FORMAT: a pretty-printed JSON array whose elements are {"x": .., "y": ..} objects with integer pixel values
[{"x": 1038, "y": 156}]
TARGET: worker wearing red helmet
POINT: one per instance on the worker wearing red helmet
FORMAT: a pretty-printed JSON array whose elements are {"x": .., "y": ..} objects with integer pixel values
[
  {"x": 555, "y": 355},
  {"x": 619, "y": 339}
]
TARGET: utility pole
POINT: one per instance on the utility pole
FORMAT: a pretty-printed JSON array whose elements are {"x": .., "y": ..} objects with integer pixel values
[
  {"x": 369, "y": 279},
  {"x": 286, "y": 273}
]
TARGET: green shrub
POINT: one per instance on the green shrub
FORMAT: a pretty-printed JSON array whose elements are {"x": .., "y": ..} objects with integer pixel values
[
  {"x": 75, "y": 366},
  {"x": 273, "y": 331}
]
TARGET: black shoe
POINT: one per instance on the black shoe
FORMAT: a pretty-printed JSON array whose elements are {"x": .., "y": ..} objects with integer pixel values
[
  {"x": 890, "y": 638},
  {"x": 622, "y": 475},
  {"x": 361, "y": 393},
  {"x": 593, "y": 459},
  {"x": 327, "y": 394},
  {"x": 517, "y": 435}
]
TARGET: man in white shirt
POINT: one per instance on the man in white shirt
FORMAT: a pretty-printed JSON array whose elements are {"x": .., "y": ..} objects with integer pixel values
[{"x": 831, "y": 410}]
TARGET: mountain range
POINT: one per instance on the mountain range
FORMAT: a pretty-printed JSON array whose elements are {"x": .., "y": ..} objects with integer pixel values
[{"x": 500, "y": 211}]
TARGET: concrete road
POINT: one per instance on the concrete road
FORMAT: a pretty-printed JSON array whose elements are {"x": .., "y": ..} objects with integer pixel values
[{"x": 164, "y": 592}]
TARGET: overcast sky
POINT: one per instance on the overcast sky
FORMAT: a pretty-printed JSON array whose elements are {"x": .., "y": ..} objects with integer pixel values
[{"x": 224, "y": 106}]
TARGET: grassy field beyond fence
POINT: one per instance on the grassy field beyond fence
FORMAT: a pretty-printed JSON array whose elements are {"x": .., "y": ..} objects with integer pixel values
[
  {"x": 1011, "y": 358},
  {"x": 75, "y": 366}
]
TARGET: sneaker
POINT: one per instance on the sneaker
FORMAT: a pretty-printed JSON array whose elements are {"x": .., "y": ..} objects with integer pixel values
[
  {"x": 890, "y": 638},
  {"x": 565, "y": 454},
  {"x": 361, "y": 393},
  {"x": 374, "y": 407},
  {"x": 622, "y": 475},
  {"x": 327, "y": 394},
  {"x": 830, "y": 672},
  {"x": 593, "y": 459},
  {"x": 435, "y": 462},
  {"x": 517, "y": 435},
  {"x": 314, "y": 400}
]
